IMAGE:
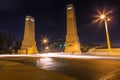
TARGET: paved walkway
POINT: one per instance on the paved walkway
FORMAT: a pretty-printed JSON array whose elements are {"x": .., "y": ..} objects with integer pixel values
[{"x": 19, "y": 71}]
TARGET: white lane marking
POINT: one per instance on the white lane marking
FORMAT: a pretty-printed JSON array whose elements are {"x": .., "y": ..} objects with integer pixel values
[
  {"x": 110, "y": 75},
  {"x": 107, "y": 77}
]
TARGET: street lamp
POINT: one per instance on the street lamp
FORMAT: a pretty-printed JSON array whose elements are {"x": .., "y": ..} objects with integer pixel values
[
  {"x": 46, "y": 47},
  {"x": 44, "y": 44},
  {"x": 106, "y": 19},
  {"x": 45, "y": 41}
]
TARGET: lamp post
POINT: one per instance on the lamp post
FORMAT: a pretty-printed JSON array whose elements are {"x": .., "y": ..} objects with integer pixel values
[
  {"x": 45, "y": 41},
  {"x": 44, "y": 44},
  {"x": 106, "y": 19}
]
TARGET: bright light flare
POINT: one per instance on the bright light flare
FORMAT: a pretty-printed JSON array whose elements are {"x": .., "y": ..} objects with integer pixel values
[
  {"x": 102, "y": 16},
  {"x": 46, "y": 47},
  {"x": 45, "y": 40},
  {"x": 108, "y": 19}
]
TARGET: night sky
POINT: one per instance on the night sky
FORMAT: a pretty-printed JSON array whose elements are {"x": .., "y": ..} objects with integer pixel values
[{"x": 50, "y": 18}]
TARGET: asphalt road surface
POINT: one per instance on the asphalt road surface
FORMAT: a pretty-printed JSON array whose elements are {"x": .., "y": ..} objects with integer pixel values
[{"x": 80, "y": 69}]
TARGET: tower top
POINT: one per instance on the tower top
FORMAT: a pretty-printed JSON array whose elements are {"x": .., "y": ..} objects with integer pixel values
[
  {"x": 30, "y": 18},
  {"x": 70, "y": 6}
]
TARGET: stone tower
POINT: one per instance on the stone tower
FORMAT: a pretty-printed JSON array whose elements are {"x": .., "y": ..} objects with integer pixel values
[
  {"x": 29, "y": 43},
  {"x": 72, "y": 40}
]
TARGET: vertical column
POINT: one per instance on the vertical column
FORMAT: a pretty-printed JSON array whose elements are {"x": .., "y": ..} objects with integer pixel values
[
  {"x": 72, "y": 39},
  {"x": 29, "y": 43}
]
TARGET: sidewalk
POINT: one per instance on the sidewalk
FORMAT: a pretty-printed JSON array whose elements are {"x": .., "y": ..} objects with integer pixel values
[{"x": 18, "y": 71}]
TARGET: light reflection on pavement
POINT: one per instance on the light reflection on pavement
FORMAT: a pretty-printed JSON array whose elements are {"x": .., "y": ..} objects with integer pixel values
[
  {"x": 49, "y": 63},
  {"x": 45, "y": 63}
]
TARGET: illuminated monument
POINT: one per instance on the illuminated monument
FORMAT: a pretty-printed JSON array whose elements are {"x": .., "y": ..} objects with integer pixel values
[
  {"x": 72, "y": 39},
  {"x": 29, "y": 43}
]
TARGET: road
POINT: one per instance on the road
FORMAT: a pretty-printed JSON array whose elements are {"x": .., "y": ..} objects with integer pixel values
[{"x": 79, "y": 69}]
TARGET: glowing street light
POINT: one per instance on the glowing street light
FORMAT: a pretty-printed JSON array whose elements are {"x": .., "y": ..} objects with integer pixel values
[
  {"x": 46, "y": 47},
  {"x": 45, "y": 41},
  {"x": 44, "y": 44},
  {"x": 103, "y": 16},
  {"x": 106, "y": 19}
]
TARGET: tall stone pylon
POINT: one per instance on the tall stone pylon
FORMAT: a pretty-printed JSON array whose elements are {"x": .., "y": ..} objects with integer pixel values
[
  {"x": 29, "y": 44},
  {"x": 72, "y": 44}
]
